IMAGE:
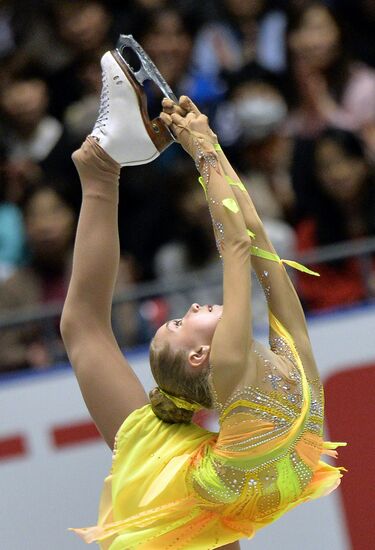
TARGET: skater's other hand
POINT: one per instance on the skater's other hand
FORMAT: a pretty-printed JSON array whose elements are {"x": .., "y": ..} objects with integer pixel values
[
  {"x": 170, "y": 107},
  {"x": 184, "y": 106},
  {"x": 189, "y": 126}
]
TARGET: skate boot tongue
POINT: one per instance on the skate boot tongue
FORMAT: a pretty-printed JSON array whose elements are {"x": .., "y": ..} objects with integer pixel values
[{"x": 148, "y": 70}]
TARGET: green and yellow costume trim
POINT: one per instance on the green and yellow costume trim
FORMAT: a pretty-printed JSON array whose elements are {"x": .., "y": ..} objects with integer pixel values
[
  {"x": 182, "y": 478},
  {"x": 182, "y": 403}
]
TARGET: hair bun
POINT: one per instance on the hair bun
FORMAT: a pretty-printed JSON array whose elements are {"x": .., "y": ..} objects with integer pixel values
[{"x": 166, "y": 410}]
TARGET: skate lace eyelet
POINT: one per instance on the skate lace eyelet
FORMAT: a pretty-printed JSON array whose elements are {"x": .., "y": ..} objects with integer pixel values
[{"x": 104, "y": 104}]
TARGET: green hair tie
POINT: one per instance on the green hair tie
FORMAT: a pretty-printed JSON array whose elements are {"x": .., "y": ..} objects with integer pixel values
[{"x": 182, "y": 403}]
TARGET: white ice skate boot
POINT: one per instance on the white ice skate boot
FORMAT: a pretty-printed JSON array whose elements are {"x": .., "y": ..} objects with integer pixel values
[{"x": 123, "y": 128}]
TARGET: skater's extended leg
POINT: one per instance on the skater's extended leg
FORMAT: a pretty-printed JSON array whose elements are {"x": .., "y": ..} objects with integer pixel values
[{"x": 109, "y": 386}]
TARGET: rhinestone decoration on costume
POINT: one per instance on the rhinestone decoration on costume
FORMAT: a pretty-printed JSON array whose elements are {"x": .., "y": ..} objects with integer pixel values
[
  {"x": 265, "y": 284},
  {"x": 210, "y": 161},
  {"x": 272, "y": 410}
]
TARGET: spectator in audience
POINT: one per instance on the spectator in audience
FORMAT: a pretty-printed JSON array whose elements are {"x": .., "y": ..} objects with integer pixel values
[
  {"x": 193, "y": 247},
  {"x": 83, "y": 28},
  {"x": 368, "y": 136},
  {"x": 331, "y": 88},
  {"x": 344, "y": 209},
  {"x": 264, "y": 155},
  {"x": 11, "y": 239},
  {"x": 50, "y": 226},
  {"x": 22, "y": 32},
  {"x": 246, "y": 33},
  {"x": 197, "y": 11},
  {"x": 80, "y": 116},
  {"x": 50, "y": 222},
  {"x": 360, "y": 18},
  {"x": 254, "y": 117},
  {"x": 168, "y": 39},
  {"x": 252, "y": 122},
  {"x": 35, "y": 141},
  {"x": 143, "y": 222},
  {"x": 7, "y": 33},
  {"x": 11, "y": 229},
  {"x": 131, "y": 19},
  {"x": 132, "y": 11}
]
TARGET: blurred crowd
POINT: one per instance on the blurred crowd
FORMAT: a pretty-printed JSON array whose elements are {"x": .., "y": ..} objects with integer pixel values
[{"x": 289, "y": 86}]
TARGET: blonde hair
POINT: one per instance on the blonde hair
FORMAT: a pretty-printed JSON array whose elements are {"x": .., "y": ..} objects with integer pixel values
[{"x": 169, "y": 369}]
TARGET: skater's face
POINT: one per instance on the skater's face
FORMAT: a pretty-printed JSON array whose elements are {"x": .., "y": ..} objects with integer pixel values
[{"x": 195, "y": 329}]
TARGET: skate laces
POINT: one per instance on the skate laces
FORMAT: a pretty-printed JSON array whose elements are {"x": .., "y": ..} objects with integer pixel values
[{"x": 104, "y": 104}]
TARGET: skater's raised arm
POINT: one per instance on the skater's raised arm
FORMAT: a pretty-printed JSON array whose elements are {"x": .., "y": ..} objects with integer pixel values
[
  {"x": 233, "y": 336},
  {"x": 283, "y": 303},
  {"x": 109, "y": 386}
]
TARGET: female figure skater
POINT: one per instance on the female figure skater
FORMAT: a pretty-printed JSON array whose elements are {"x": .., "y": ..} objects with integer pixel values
[{"x": 174, "y": 484}]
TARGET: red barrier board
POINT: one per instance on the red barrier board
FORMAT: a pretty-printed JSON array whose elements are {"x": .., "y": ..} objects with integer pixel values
[
  {"x": 74, "y": 434},
  {"x": 12, "y": 447},
  {"x": 350, "y": 414}
]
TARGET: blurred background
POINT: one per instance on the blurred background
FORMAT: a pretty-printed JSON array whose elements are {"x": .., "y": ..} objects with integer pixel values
[{"x": 289, "y": 87}]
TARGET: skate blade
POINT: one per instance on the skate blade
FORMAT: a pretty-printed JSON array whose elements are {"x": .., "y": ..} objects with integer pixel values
[{"x": 148, "y": 70}]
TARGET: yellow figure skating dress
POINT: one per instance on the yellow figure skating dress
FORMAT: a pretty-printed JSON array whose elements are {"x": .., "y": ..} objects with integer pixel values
[{"x": 175, "y": 486}]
